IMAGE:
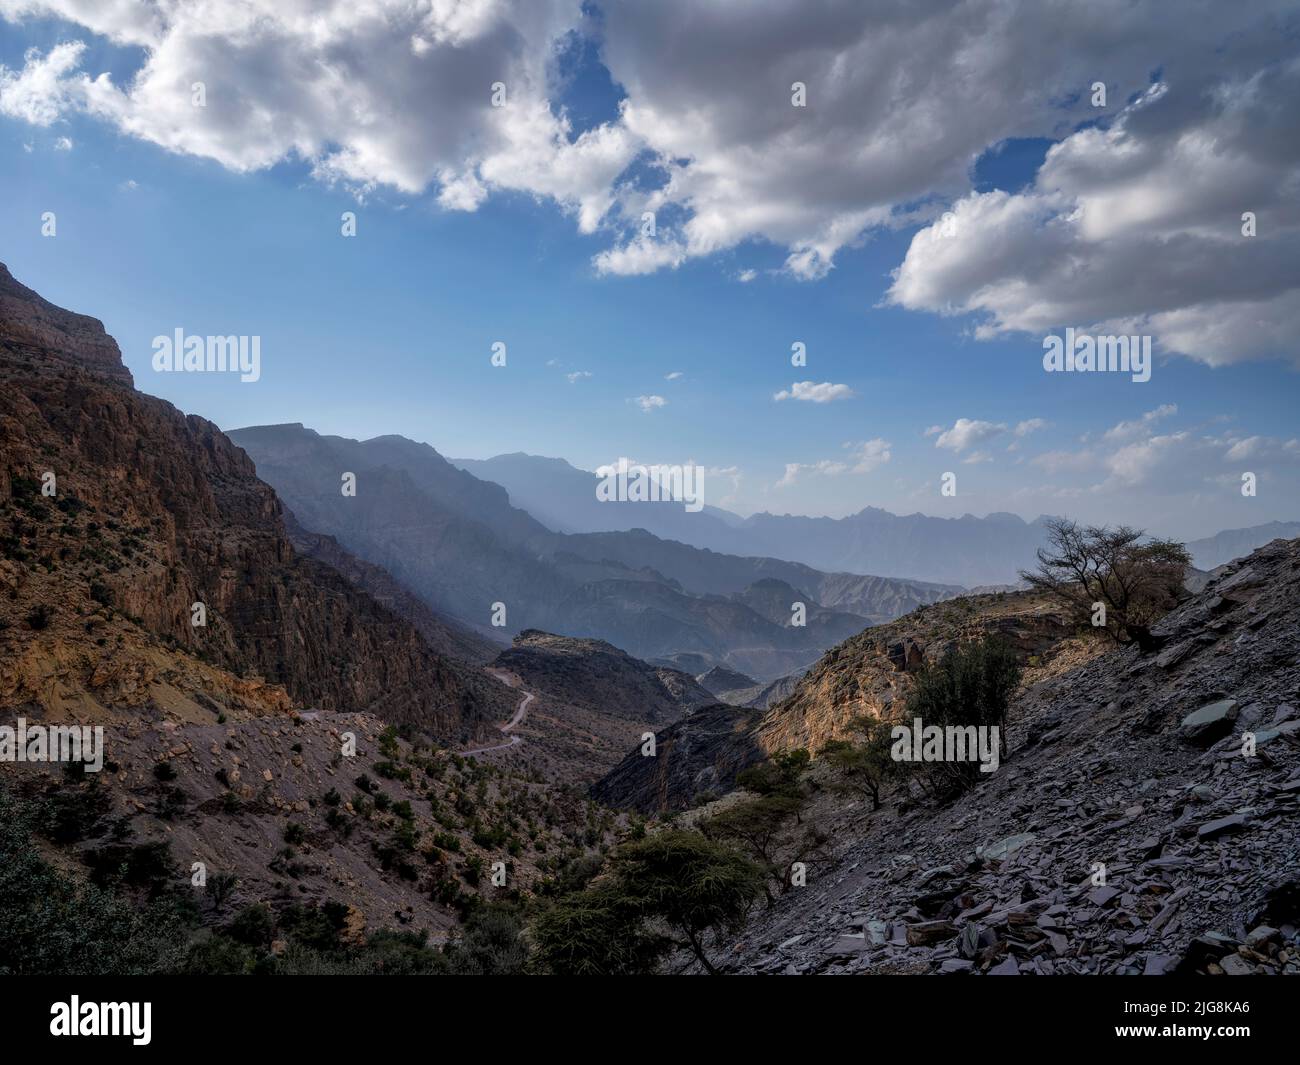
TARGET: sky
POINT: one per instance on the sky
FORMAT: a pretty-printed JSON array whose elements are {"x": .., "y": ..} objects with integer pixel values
[{"x": 950, "y": 190}]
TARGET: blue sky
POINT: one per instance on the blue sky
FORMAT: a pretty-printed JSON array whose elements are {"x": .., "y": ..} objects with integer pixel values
[{"x": 391, "y": 331}]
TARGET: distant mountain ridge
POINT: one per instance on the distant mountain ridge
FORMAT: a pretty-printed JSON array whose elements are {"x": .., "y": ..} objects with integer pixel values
[
  {"x": 1211, "y": 552},
  {"x": 969, "y": 551},
  {"x": 462, "y": 546}
]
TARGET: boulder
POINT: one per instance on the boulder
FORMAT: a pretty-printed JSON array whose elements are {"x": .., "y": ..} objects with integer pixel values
[{"x": 1210, "y": 723}]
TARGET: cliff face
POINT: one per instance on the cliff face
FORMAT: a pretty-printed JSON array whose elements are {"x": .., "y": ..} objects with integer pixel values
[
  {"x": 31, "y": 324},
  {"x": 864, "y": 675},
  {"x": 154, "y": 511},
  {"x": 870, "y": 672}
]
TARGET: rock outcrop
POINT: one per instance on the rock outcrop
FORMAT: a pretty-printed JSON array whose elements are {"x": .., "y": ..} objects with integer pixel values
[{"x": 698, "y": 756}]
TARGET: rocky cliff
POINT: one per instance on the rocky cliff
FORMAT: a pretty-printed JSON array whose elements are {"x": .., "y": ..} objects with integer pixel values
[{"x": 119, "y": 513}]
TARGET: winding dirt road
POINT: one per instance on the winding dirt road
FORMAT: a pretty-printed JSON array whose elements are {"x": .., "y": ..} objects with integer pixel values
[{"x": 520, "y": 713}]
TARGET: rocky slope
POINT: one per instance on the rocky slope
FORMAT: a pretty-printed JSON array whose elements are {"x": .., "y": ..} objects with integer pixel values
[
  {"x": 724, "y": 682},
  {"x": 154, "y": 511},
  {"x": 864, "y": 675},
  {"x": 593, "y": 701},
  {"x": 1131, "y": 829},
  {"x": 599, "y": 676},
  {"x": 402, "y": 837},
  {"x": 699, "y": 755},
  {"x": 870, "y": 672}
]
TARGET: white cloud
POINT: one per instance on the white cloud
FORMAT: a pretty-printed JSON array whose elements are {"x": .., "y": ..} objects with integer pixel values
[
  {"x": 377, "y": 93},
  {"x": 864, "y": 457},
  {"x": 1136, "y": 227},
  {"x": 676, "y": 375},
  {"x": 41, "y": 91},
  {"x": 649, "y": 403},
  {"x": 1140, "y": 426},
  {"x": 577, "y": 375},
  {"x": 795, "y": 470},
  {"x": 870, "y": 454},
  {"x": 639, "y": 257},
  {"x": 1031, "y": 425},
  {"x": 814, "y": 392},
  {"x": 965, "y": 432},
  {"x": 901, "y": 100},
  {"x": 1138, "y": 463}
]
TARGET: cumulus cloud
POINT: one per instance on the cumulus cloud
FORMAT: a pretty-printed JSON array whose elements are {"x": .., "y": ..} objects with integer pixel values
[
  {"x": 901, "y": 99},
  {"x": 649, "y": 403},
  {"x": 676, "y": 375},
  {"x": 814, "y": 392},
  {"x": 1030, "y": 425},
  {"x": 40, "y": 93},
  {"x": 1137, "y": 227},
  {"x": 864, "y": 457},
  {"x": 577, "y": 375},
  {"x": 965, "y": 432},
  {"x": 383, "y": 93}
]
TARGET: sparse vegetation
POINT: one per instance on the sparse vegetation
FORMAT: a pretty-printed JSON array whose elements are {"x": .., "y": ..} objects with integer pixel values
[{"x": 1134, "y": 580}]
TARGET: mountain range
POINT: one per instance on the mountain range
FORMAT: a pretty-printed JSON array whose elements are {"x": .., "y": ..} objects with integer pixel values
[
  {"x": 459, "y": 544},
  {"x": 968, "y": 551}
]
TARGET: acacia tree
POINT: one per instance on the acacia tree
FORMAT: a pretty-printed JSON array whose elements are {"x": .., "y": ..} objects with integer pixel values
[
  {"x": 864, "y": 767},
  {"x": 1133, "y": 579},
  {"x": 673, "y": 881},
  {"x": 757, "y": 826}
]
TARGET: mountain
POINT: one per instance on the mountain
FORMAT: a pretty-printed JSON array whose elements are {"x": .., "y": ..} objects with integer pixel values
[
  {"x": 967, "y": 551},
  {"x": 866, "y": 674},
  {"x": 1213, "y": 551},
  {"x": 955, "y": 551},
  {"x": 224, "y": 742},
  {"x": 699, "y": 755},
  {"x": 727, "y": 683},
  {"x": 598, "y": 676},
  {"x": 446, "y": 636},
  {"x": 587, "y": 702},
  {"x": 1134, "y": 762},
  {"x": 706, "y": 571},
  {"x": 563, "y": 498},
  {"x": 461, "y": 546},
  {"x": 151, "y": 512}
]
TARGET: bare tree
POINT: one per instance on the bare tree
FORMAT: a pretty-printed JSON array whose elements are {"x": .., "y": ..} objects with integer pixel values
[{"x": 1115, "y": 579}]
